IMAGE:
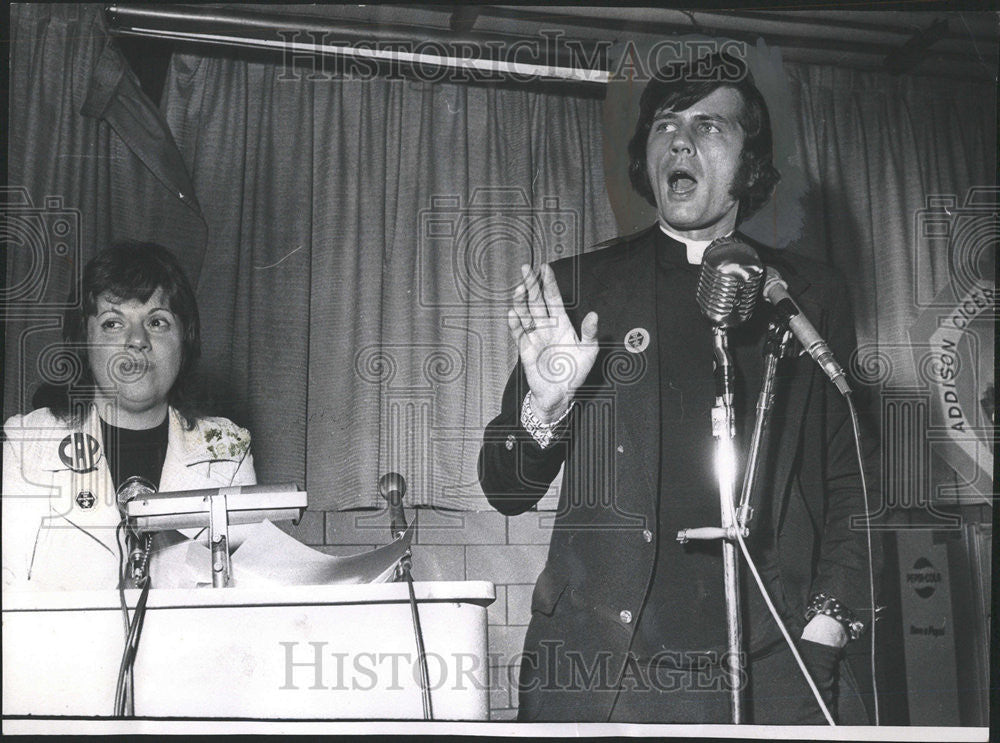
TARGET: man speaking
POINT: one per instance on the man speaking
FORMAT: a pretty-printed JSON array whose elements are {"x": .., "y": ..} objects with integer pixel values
[{"x": 614, "y": 383}]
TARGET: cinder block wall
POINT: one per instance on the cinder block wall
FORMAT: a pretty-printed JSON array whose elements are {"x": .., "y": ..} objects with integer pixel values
[{"x": 453, "y": 546}]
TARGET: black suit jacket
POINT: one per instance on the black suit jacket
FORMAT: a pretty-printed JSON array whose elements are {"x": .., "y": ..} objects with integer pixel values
[{"x": 590, "y": 595}]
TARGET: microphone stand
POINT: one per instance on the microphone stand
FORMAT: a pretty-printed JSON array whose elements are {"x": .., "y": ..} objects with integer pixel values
[
  {"x": 731, "y": 277},
  {"x": 734, "y": 522},
  {"x": 392, "y": 487},
  {"x": 724, "y": 432}
]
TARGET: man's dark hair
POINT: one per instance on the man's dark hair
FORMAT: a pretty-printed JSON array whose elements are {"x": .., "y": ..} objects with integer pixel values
[
  {"x": 128, "y": 271},
  {"x": 678, "y": 87}
]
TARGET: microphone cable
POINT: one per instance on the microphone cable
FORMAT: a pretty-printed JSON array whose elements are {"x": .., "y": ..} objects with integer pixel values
[
  {"x": 774, "y": 613},
  {"x": 125, "y": 669},
  {"x": 125, "y": 685},
  {"x": 856, "y": 428},
  {"x": 871, "y": 580},
  {"x": 425, "y": 683}
]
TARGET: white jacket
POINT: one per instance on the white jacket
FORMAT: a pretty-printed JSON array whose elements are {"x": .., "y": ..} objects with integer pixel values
[{"x": 59, "y": 506}]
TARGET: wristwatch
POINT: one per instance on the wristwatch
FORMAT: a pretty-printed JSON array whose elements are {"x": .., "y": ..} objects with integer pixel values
[{"x": 824, "y": 603}]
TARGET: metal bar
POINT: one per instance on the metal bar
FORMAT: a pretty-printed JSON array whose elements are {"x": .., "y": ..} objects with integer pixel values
[
  {"x": 800, "y": 41},
  {"x": 784, "y": 24},
  {"x": 551, "y": 57},
  {"x": 218, "y": 538},
  {"x": 778, "y": 338},
  {"x": 724, "y": 430}
]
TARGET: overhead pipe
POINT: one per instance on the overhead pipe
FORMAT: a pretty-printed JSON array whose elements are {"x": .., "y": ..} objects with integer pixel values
[
  {"x": 789, "y": 30},
  {"x": 787, "y": 24},
  {"x": 490, "y": 56}
]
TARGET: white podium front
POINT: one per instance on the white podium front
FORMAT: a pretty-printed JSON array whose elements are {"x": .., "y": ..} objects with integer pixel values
[{"x": 300, "y": 652}]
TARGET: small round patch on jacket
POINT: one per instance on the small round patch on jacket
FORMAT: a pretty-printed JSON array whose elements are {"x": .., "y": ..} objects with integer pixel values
[
  {"x": 85, "y": 499},
  {"x": 79, "y": 452},
  {"x": 637, "y": 340}
]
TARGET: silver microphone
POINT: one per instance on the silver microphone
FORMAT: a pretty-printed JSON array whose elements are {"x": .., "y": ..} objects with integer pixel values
[
  {"x": 135, "y": 487},
  {"x": 392, "y": 487},
  {"x": 776, "y": 292},
  {"x": 730, "y": 282},
  {"x": 131, "y": 489}
]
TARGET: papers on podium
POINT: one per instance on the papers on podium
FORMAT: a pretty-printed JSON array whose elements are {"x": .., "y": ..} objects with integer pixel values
[{"x": 267, "y": 556}]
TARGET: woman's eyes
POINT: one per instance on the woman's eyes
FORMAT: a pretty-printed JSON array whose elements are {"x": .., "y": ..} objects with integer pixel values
[{"x": 158, "y": 322}]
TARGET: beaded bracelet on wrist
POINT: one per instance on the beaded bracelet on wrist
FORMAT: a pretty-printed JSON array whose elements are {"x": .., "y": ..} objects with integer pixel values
[
  {"x": 542, "y": 433},
  {"x": 824, "y": 603}
]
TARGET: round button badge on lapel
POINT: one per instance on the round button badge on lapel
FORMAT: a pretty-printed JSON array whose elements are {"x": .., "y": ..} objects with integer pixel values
[{"x": 637, "y": 340}]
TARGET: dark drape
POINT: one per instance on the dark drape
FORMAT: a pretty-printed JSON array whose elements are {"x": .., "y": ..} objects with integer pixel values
[
  {"x": 365, "y": 236},
  {"x": 874, "y": 148},
  {"x": 901, "y": 196},
  {"x": 90, "y": 161}
]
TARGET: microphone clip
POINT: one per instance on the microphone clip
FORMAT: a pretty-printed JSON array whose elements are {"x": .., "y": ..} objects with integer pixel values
[{"x": 778, "y": 342}]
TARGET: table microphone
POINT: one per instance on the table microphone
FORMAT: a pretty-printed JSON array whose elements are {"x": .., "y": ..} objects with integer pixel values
[
  {"x": 392, "y": 487},
  {"x": 138, "y": 557},
  {"x": 131, "y": 489}
]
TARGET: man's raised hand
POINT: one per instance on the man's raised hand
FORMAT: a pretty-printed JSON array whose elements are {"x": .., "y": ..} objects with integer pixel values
[{"x": 555, "y": 359}]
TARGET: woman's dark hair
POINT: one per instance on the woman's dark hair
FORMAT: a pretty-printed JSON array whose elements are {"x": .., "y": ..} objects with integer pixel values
[
  {"x": 678, "y": 87},
  {"x": 129, "y": 271}
]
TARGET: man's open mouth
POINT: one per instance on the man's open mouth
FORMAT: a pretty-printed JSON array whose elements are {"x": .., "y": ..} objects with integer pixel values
[{"x": 681, "y": 182}]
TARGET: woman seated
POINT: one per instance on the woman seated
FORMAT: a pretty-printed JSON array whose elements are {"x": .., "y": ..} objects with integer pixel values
[{"x": 131, "y": 412}]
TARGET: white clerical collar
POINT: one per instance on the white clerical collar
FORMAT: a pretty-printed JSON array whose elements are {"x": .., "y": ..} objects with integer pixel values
[{"x": 695, "y": 248}]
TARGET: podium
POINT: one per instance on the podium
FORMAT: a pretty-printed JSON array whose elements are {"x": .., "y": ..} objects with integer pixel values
[{"x": 297, "y": 652}]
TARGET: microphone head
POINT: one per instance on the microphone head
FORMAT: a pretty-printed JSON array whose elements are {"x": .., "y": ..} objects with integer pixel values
[
  {"x": 730, "y": 282},
  {"x": 134, "y": 487},
  {"x": 773, "y": 281},
  {"x": 391, "y": 482}
]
